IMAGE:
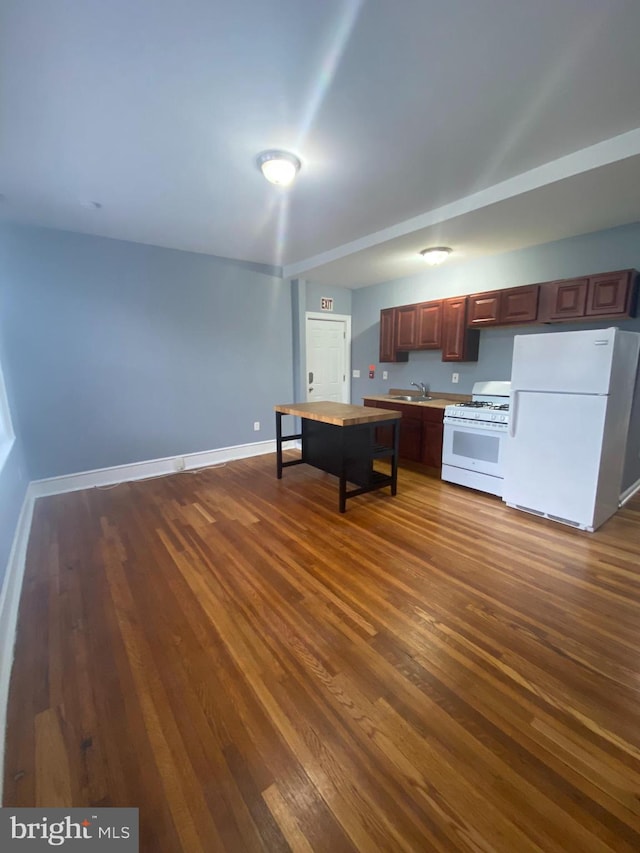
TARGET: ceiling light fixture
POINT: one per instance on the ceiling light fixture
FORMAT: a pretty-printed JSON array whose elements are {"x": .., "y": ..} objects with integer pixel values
[
  {"x": 279, "y": 167},
  {"x": 436, "y": 255}
]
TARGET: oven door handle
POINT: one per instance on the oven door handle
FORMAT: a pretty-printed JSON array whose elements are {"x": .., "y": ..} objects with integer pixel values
[{"x": 513, "y": 413}]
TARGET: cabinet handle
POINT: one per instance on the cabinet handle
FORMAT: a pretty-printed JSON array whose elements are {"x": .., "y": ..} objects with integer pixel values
[{"x": 310, "y": 376}]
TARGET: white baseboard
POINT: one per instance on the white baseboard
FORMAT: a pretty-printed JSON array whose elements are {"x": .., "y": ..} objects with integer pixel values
[
  {"x": 9, "y": 602},
  {"x": 150, "y": 468},
  {"x": 629, "y": 493}
]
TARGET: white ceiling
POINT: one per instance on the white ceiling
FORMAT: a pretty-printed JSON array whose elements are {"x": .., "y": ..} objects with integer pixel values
[{"x": 485, "y": 125}]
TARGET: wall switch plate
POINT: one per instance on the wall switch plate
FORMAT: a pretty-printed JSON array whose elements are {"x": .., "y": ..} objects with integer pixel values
[
  {"x": 455, "y": 377},
  {"x": 256, "y": 426},
  {"x": 385, "y": 374},
  {"x": 356, "y": 374}
]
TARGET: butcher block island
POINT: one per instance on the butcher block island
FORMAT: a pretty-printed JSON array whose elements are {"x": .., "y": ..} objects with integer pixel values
[{"x": 341, "y": 439}]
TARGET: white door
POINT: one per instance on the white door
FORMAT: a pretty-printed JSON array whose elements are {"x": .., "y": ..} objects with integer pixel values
[{"x": 327, "y": 359}]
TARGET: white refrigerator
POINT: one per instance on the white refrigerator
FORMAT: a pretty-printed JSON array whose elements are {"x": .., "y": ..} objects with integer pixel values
[{"x": 572, "y": 397}]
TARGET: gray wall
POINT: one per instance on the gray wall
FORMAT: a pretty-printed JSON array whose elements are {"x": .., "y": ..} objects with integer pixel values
[
  {"x": 342, "y": 298},
  {"x": 121, "y": 352},
  {"x": 615, "y": 249}
]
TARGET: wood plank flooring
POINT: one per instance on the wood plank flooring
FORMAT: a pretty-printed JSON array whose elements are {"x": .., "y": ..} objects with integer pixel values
[{"x": 256, "y": 672}]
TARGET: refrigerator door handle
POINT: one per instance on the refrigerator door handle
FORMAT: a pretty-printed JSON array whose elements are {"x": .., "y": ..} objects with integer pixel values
[{"x": 513, "y": 413}]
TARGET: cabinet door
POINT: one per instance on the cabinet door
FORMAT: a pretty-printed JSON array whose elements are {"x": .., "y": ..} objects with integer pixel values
[
  {"x": 567, "y": 299},
  {"x": 383, "y": 434},
  {"x": 458, "y": 342},
  {"x": 410, "y": 437},
  {"x": 387, "y": 330},
  {"x": 387, "y": 337},
  {"x": 429, "y": 325},
  {"x": 406, "y": 327},
  {"x": 608, "y": 294},
  {"x": 432, "y": 444},
  {"x": 432, "y": 431},
  {"x": 484, "y": 309},
  {"x": 519, "y": 304},
  {"x": 410, "y": 441}
]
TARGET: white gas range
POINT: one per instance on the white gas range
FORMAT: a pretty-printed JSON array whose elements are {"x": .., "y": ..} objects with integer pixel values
[{"x": 474, "y": 434}]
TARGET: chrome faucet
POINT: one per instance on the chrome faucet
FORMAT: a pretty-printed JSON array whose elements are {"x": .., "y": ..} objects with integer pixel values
[{"x": 422, "y": 388}]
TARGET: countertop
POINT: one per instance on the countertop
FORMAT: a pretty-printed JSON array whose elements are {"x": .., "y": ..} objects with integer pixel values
[
  {"x": 439, "y": 399},
  {"x": 338, "y": 414}
]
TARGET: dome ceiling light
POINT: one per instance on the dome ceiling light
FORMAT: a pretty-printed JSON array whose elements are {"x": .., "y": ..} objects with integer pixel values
[
  {"x": 279, "y": 167},
  {"x": 436, "y": 255}
]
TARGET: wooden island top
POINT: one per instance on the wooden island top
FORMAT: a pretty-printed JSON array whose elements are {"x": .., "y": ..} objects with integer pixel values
[{"x": 337, "y": 414}]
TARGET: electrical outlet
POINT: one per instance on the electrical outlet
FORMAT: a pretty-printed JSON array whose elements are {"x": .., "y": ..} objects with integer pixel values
[
  {"x": 455, "y": 377},
  {"x": 256, "y": 426},
  {"x": 356, "y": 374},
  {"x": 179, "y": 463},
  {"x": 385, "y": 374}
]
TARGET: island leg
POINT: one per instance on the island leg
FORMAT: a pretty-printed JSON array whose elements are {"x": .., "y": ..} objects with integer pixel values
[
  {"x": 343, "y": 487},
  {"x": 394, "y": 458},
  {"x": 279, "y": 444}
]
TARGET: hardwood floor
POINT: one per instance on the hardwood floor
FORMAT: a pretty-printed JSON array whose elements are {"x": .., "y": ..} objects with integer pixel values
[{"x": 255, "y": 671}]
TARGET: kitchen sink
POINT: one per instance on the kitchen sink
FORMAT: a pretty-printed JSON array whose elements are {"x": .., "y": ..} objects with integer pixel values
[{"x": 412, "y": 398}]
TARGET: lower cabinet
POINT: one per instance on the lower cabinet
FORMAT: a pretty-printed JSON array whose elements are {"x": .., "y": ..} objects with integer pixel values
[
  {"x": 410, "y": 444},
  {"x": 432, "y": 430},
  {"x": 420, "y": 432}
]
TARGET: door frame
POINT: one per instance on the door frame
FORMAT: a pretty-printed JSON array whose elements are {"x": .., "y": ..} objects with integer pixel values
[{"x": 346, "y": 319}]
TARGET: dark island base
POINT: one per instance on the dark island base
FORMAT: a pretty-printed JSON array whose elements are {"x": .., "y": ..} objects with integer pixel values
[{"x": 347, "y": 452}]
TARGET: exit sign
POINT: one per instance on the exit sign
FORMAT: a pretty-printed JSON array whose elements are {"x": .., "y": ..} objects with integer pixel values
[{"x": 326, "y": 303}]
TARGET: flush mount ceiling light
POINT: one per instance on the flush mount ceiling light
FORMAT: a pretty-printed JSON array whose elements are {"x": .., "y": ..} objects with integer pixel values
[
  {"x": 436, "y": 255},
  {"x": 279, "y": 167}
]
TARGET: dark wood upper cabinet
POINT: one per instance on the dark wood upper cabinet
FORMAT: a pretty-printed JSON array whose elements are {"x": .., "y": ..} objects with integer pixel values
[
  {"x": 453, "y": 325},
  {"x": 406, "y": 327},
  {"x": 387, "y": 334},
  {"x": 429, "y": 325},
  {"x": 388, "y": 349},
  {"x": 565, "y": 300},
  {"x": 605, "y": 295},
  {"x": 419, "y": 326},
  {"x": 484, "y": 309},
  {"x": 415, "y": 327},
  {"x": 459, "y": 343},
  {"x": 609, "y": 293},
  {"x": 504, "y": 307},
  {"x": 519, "y": 304}
]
